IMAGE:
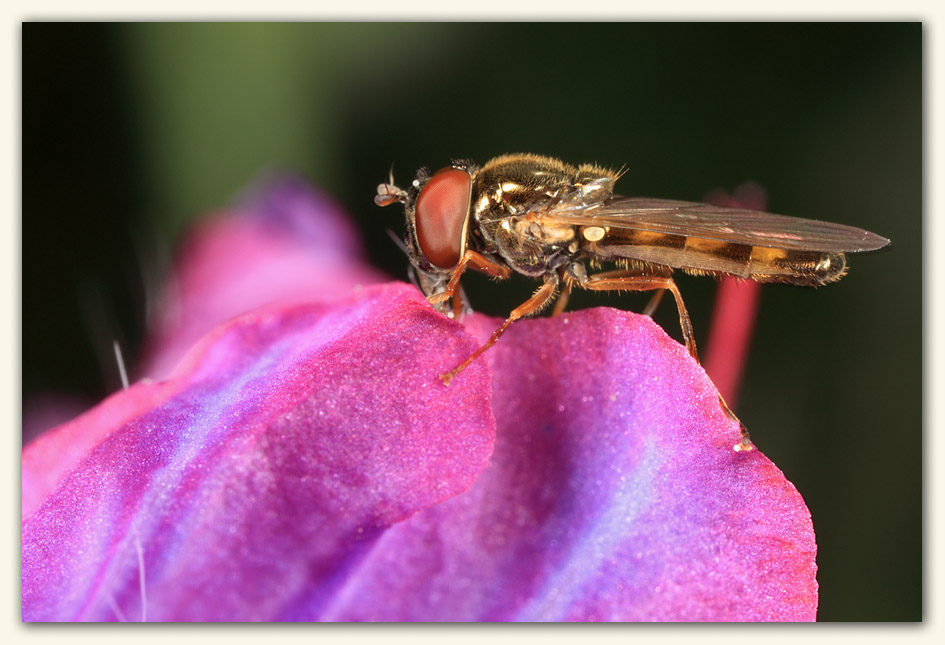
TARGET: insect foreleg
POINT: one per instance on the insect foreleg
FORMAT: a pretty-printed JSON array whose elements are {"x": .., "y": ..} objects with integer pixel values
[{"x": 471, "y": 260}]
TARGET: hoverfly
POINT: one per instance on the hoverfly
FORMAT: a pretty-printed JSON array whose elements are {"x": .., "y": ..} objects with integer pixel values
[{"x": 549, "y": 220}]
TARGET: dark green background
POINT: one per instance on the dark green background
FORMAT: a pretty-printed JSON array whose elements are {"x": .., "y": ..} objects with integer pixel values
[{"x": 130, "y": 131}]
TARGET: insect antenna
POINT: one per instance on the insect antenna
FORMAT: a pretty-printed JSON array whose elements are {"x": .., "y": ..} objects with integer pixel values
[{"x": 411, "y": 270}]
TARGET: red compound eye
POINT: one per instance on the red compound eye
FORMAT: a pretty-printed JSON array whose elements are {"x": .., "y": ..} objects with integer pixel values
[{"x": 441, "y": 212}]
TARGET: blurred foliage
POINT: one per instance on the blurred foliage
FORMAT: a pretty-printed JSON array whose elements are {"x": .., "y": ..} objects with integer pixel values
[
  {"x": 129, "y": 131},
  {"x": 223, "y": 101}
]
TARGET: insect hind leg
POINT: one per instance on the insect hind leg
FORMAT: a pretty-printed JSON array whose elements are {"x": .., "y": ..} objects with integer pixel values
[{"x": 630, "y": 280}]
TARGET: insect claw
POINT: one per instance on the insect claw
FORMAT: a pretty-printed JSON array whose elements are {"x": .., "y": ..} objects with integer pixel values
[{"x": 744, "y": 444}]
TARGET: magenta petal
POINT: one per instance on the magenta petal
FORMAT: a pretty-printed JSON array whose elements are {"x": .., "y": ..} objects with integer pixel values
[
  {"x": 58, "y": 451},
  {"x": 614, "y": 494},
  {"x": 247, "y": 489},
  {"x": 303, "y": 462}
]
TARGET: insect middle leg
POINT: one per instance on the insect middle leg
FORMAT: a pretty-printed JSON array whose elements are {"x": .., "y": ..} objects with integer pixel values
[
  {"x": 539, "y": 299},
  {"x": 628, "y": 280},
  {"x": 563, "y": 297}
]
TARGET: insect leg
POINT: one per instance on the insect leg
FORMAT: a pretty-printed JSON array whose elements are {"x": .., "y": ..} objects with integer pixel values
[
  {"x": 475, "y": 261},
  {"x": 562, "y": 301},
  {"x": 654, "y": 302},
  {"x": 539, "y": 299},
  {"x": 744, "y": 443},
  {"x": 630, "y": 281},
  {"x": 457, "y": 304},
  {"x": 569, "y": 275}
]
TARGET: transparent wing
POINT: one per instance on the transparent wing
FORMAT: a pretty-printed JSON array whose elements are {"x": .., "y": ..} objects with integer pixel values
[{"x": 731, "y": 225}]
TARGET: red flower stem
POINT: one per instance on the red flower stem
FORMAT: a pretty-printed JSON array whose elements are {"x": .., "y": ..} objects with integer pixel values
[{"x": 733, "y": 321}]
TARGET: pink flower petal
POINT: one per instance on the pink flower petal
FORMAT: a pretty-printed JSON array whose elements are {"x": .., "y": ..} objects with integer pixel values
[
  {"x": 303, "y": 462},
  {"x": 614, "y": 494},
  {"x": 263, "y": 471}
]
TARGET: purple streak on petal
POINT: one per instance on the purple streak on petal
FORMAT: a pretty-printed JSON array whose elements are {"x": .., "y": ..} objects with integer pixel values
[
  {"x": 614, "y": 494},
  {"x": 286, "y": 242},
  {"x": 292, "y": 438},
  {"x": 57, "y": 451}
]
